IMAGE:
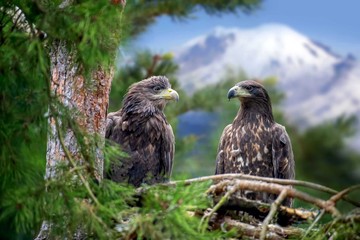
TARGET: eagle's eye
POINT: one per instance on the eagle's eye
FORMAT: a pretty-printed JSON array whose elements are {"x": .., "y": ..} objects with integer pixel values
[
  {"x": 249, "y": 88},
  {"x": 156, "y": 88}
]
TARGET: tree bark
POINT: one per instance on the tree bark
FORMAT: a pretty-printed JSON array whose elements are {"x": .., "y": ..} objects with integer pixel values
[{"x": 88, "y": 99}]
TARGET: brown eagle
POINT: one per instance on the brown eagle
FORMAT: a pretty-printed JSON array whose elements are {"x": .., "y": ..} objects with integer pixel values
[
  {"x": 141, "y": 130},
  {"x": 254, "y": 143}
]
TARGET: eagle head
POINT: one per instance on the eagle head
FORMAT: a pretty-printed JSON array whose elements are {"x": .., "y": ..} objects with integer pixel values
[
  {"x": 153, "y": 92},
  {"x": 249, "y": 90},
  {"x": 253, "y": 97}
]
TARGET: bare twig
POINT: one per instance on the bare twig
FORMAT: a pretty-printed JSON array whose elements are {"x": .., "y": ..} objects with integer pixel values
[
  {"x": 264, "y": 179},
  {"x": 344, "y": 192},
  {"x": 274, "y": 206}
]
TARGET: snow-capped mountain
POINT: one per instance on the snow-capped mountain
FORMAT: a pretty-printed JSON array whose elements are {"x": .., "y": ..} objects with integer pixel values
[
  {"x": 319, "y": 84},
  {"x": 341, "y": 96}
]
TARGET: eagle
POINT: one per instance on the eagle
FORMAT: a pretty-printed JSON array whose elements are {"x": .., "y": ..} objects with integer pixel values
[
  {"x": 140, "y": 129},
  {"x": 254, "y": 143}
]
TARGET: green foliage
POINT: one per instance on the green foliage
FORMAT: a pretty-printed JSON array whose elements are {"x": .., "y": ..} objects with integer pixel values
[
  {"x": 25, "y": 198},
  {"x": 322, "y": 155},
  {"x": 168, "y": 212},
  {"x": 22, "y": 126},
  {"x": 326, "y": 144},
  {"x": 90, "y": 29},
  {"x": 345, "y": 227}
]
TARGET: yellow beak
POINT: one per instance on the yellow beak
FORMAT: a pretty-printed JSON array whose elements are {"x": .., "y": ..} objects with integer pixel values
[
  {"x": 170, "y": 94},
  {"x": 237, "y": 91}
]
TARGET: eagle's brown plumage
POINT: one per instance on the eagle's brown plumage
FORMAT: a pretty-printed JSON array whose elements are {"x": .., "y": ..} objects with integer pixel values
[
  {"x": 142, "y": 131},
  {"x": 254, "y": 143}
]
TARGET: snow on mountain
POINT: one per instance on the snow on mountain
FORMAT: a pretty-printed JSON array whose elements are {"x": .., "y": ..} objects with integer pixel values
[
  {"x": 319, "y": 84},
  {"x": 269, "y": 50},
  {"x": 342, "y": 97}
]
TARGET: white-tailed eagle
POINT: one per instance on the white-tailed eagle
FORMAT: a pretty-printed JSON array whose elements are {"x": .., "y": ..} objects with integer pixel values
[
  {"x": 254, "y": 143},
  {"x": 141, "y": 130}
]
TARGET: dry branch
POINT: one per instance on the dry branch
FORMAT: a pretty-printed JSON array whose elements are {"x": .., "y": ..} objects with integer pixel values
[
  {"x": 261, "y": 209},
  {"x": 274, "y": 189},
  {"x": 343, "y": 193},
  {"x": 248, "y": 214},
  {"x": 221, "y": 177},
  {"x": 253, "y": 231}
]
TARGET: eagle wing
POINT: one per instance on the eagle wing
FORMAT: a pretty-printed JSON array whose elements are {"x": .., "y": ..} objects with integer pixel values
[
  {"x": 169, "y": 151},
  {"x": 111, "y": 121},
  {"x": 282, "y": 154},
  {"x": 220, "y": 153},
  {"x": 283, "y": 157},
  {"x": 149, "y": 142}
]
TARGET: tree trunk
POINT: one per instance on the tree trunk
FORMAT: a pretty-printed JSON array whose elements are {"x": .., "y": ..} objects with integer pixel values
[{"x": 88, "y": 98}]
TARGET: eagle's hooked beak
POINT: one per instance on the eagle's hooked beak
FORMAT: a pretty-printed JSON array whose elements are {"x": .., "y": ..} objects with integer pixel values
[
  {"x": 237, "y": 91},
  {"x": 170, "y": 94}
]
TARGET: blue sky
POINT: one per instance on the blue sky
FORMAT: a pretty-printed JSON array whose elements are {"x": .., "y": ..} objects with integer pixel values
[{"x": 333, "y": 23}]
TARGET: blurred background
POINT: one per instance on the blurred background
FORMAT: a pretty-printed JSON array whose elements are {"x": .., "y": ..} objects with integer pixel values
[{"x": 304, "y": 52}]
